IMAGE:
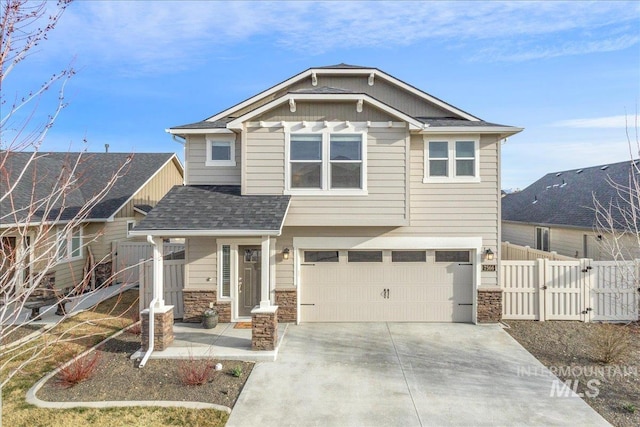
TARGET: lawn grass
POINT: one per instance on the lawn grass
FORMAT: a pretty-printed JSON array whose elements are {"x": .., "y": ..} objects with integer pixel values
[{"x": 70, "y": 338}]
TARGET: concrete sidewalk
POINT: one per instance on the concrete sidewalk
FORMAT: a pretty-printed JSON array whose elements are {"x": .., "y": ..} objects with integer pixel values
[{"x": 408, "y": 374}]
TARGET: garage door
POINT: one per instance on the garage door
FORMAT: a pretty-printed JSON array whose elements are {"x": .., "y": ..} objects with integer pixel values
[{"x": 395, "y": 286}]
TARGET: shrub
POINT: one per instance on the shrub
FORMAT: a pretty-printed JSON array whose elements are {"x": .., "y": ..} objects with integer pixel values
[
  {"x": 629, "y": 407},
  {"x": 79, "y": 370},
  {"x": 237, "y": 371},
  {"x": 611, "y": 343},
  {"x": 194, "y": 371}
]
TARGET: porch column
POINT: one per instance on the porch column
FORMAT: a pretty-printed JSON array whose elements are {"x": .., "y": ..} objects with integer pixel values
[
  {"x": 158, "y": 271},
  {"x": 265, "y": 300}
]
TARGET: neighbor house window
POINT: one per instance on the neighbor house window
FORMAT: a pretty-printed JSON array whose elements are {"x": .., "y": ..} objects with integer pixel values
[
  {"x": 130, "y": 225},
  {"x": 326, "y": 163},
  {"x": 69, "y": 244},
  {"x": 542, "y": 238},
  {"x": 221, "y": 152},
  {"x": 451, "y": 160}
]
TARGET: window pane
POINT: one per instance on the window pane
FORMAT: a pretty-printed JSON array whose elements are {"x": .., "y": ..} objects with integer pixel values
[
  {"x": 306, "y": 147},
  {"x": 438, "y": 150},
  {"x": 76, "y": 244},
  {"x": 438, "y": 168},
  {"x": 226, "y": 271},
  {"x": 465, "y": 149},
  {"x": 306, "y": 175},
  {"x": 321, "y": 256},
  {"x": 408, "y": 256},
  {"x": 365, "y": 256},
  {"x": 346, "y": 147},
  {"x": 220, "y": 151},
  {"x": 346, "y": 175},
  {"x": 465, "y": 168},
  {"x": 452, "y": 256}
]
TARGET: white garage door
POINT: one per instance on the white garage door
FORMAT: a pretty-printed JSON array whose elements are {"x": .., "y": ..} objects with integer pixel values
[{"x": 395, "y": 286}]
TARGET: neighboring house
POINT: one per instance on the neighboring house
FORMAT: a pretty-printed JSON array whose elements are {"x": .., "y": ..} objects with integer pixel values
[
  {"x": 141, "y": 182},
  {"x": 340, "y": 194},
  {"x": 557, "y": 212}
]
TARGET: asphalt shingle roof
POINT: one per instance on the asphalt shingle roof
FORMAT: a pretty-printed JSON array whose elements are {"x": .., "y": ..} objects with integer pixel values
[
  {"x": 93, "y": 172},
  {"x": 566, "y": 197},
  {"x": 215, "y": 208}
]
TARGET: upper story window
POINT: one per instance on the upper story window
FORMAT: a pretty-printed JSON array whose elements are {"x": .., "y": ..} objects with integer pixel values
[
  {"x": 69, "y": 244},
  {"x": 221, "y": 151},
  {"x": 453, "y": 160},
  {"x": 326, "y": 163}
]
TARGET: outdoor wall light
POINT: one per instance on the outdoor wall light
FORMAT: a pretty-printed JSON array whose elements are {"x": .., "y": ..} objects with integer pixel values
[
  {"x": 285, "y": 253},
  {"x": 488, "y": 254}
]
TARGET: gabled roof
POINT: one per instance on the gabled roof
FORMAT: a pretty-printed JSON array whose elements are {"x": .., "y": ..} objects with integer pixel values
[
  {"x": 214, "y": 210},
  {"x": 219, "y": 121},
  {"x": 93, "y": 172},
  {"x": 566, "y": 197}
]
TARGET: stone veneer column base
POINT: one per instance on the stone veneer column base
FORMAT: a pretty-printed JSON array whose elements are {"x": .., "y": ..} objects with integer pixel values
[
  {"x": 287, "y": 302},
  {"x": 162, "y": 328},
  {"x": 264, "y": 328},
  {"x": 489, "y": 305}
]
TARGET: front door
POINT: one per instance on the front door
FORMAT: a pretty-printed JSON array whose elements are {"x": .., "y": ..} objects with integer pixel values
[{"x": 249, "y": 273}]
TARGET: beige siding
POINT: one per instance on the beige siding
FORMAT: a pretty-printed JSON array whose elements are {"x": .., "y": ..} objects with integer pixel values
[
  {"x": 201, "y": 260},
  {"x": 320, "y": 111},
  {"x": 284, "y": 268},
  {"x": 154, "y": 190},
  {"x": 200, "y": 174},
  {"x": 381, "y": 90},
  {"x": 385, "y": 203}
]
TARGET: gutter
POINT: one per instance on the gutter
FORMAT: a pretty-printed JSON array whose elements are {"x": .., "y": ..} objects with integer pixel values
[{"x": 152, "y": 316}]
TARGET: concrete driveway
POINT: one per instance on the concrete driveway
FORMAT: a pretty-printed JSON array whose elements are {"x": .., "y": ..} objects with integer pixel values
[{"x": 404, "y": 374}]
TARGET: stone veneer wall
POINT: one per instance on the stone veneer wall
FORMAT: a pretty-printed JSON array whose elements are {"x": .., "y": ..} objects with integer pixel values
[
  {"x": 163, "y": 330},
  {"x": 195, "y": 303},
  {"x": 264, "y": 330},
  {"x": 489, "y": 305},
  {"x": 287, "y": 302}
]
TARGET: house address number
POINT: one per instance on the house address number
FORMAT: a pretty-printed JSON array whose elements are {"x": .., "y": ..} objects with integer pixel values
[{"x": 488, "y": 267}]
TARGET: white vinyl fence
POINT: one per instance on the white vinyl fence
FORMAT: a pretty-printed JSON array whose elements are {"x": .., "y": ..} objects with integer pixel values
[
  {"x": 512, "y": 252},
  {"x": 128, "y": 255},
  {"x": 173, "y": 283},
  {"x": 581, "y": 289}
]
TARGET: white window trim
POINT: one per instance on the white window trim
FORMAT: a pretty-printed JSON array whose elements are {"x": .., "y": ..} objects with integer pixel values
[
  {"x": 535, "y": 238},
  {"x": 451, "y": 160},
  {"x": 326, "y": 190},
  {"x": 68, "y": 239},
  {"x": 213, "y": 139},
  {"x": 130, "y": 221}
]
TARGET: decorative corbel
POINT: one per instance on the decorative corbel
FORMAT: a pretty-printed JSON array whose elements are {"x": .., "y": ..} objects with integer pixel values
[
  {"x": 292, "y": 105},
  {"x": 314, "y": 79},
  {"x": 359, "y": 105},
  {"x": 370, "y": 79},
  {"x": 326, "y": 124}
]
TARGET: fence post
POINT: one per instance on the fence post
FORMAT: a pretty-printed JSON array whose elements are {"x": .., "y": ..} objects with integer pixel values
[
  {"x": 541, "y": 281},
  {"x": 528, "y": 253}
]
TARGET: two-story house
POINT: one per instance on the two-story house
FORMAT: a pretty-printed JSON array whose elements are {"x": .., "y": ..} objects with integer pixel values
[{"x": 342, "y": 194}]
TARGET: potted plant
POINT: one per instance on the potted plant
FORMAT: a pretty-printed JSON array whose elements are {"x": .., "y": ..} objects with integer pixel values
[{"x": 210, "y": 318}]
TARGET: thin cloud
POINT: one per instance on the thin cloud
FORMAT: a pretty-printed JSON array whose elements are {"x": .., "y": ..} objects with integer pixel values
[
  {"x": 597, "y": 122},
  {"x": 165, "y": 37}
]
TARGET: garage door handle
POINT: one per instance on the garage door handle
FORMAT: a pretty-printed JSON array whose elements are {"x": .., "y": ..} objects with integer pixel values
[
  {"x": 466, "y": 304},
  {"x": 306, "y": 304}
]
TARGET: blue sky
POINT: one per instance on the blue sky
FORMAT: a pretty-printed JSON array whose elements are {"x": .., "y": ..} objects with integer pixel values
[{"x": 568, "y": 72}]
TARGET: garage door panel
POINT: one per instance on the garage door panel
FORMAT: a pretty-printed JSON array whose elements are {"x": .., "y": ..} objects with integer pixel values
[{"x": 386, "y": 291}]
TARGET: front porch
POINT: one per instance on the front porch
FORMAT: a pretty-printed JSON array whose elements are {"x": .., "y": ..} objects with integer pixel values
[{"x": 224, "y": 342}]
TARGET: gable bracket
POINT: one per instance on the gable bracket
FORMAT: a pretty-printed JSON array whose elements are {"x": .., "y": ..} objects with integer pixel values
[
  {"x": 292, "y": 105},
  {"x": 314, "y": 79},
  {"x": 370, "y": 79},
  {"x": 359, "y": 105}
]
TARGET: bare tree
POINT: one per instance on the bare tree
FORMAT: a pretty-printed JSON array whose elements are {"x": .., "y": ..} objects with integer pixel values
[
  {"x": 39, "y": 207},
  {"x": 617, "y": 227}
]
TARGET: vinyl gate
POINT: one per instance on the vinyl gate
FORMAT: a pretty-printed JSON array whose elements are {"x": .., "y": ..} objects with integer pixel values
[
  {"x": 128, "y": 255},
  {"x": 582, "y": 290},
  {"x": 173, "y": 283}
]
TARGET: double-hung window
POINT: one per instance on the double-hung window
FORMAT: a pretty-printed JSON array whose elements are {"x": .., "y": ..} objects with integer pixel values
[
  {"x": 221, "y": 151},
  {"x": 69, "y": 246},
  {"x": 326, "y": 163},
  {"x": 453, "y": 160},
  {"x": 542, "y": 239}
]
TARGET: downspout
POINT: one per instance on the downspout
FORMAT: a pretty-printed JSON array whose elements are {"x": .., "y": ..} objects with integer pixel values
[{"x": 151, "y": 320}]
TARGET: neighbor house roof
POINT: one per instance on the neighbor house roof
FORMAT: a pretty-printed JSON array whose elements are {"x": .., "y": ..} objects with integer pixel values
[
  {"x": 459, "y": 121},
  {"x": 93, "y": 172},
  {"x": 215, "y": 210},
  {"x": 566, "y": 198}
]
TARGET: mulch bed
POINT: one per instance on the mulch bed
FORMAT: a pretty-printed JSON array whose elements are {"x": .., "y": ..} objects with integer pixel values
[
  {"x": 15, "y": 333},
  {"x": 117, "y": 377},
  {"x": 568, "y": 345}
]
